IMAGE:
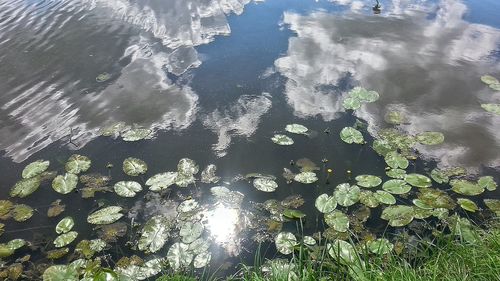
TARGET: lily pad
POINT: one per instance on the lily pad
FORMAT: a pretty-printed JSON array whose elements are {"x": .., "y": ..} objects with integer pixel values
[
  {"x": 396, "y": 186},
  {"x": 296, "y": 129},
  {"x": 380, "y": 246},
  {"x": 184, "y": 180},
  {"x": 346, "y": 195},
  {"x": 77, "y": 164},
  {"x": 344, "y": 251},
  {"x": 466, "y": 187},
  {"x": 190, "y": 231},
  {"x": 35, "y": 168},
  {"x": 179, "y": 256},
  {"x": 154, "y": 234},
  {"x": 61, "y": 273},
  {"x": 398, "y": 215},
  {"x": 435, "y": 198},
  {"x": 187, "y": 166},
  {"x": 187, "y": 206},
  {"x": 113, "y": 129},
  {"x": 282, "y": 139},
  {"x": 351, "y": 135},
  {"x": 103, "y": 77},
  {"x": 208, "y": 174},
  {"x": 351, "y": 103},
  {"x": 338, "y": 220},
  {"x": 467, "y": 204},
  {"x": 293, "y": 214},
  {"x": 491, "y": 107},
  {"x": 396, "y": 160},
  {"x": 309, "y": 240},
  {"x": 285, "y": 242},
  {"x": 65, "y": 184},
  {"x": 105, "y": 215},
  {"x": 368, "y": 199},
  {"x": 22, "y": 212},
  {"x": 396, "y": 173},
  {"x": 384, "y": 197},
  {"x": 201, "y": 260},
  {"x": 488, "y": 79},
  {"x": 65, "y": 239},
  {"x": 65, "y": 225},
  {"x": 5, "y": 208},
  {"x": 430, "y": 138},
  {"x": 199, "y": 246},
  {"x": 127, "y": 188},
  {"x": 136, "y": 134},
  {"x": 25, "y": 187},
  {"x": 418, "y": 180},
  {"x": 495, "y": 86},
  {"x": 487, "y": 182},
  {"x": 395, "y": 117},
  {"x": 265, "y": 184},
  {"x": 363, "y": 95},
  {"x": 161, "y": 181},
  {"x": 325, "y": 203},
  {"x": 134, "y": 167},
  {"x": 368, "y": 181},
  {"x": 16, "y": 244},
  {"x": 306, "y": 177},
  {"x": 493, "y": 205},
  {"x": 439, "y": 176}
]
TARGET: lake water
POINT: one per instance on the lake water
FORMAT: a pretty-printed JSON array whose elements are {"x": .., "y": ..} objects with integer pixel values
[{"x": 214, "y": 80}]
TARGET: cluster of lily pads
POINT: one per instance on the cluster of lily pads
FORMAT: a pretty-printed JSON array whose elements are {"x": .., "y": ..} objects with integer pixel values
[
  {"x": 494, "y": 84},
  {"x": 127, "y": 133}
]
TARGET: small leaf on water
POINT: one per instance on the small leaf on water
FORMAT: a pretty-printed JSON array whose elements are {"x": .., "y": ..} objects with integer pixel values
[
  {"x": 265, "y": 184},
  {"x": 77, "y": 164},
  {"x": 127, "y": 188},
  {"x": 418, "y": 180},
  {"x": 105, "y": 215},
  {"x": 466, "y": 187},
  {"x": 325, "y": 203},
  {"x": 296, "y": 129},
  {"x": 282, "y": 139},
  {"x": 346, "y": 195},
  {"x": 25, "y": 187},
  {"x": 338, "y": 220},
  {"x": 65, "y": 225},
  {"x": 430, "y": 138},
  {"x": 134, "y": 167},
  {"x": 35, "y": 168},
  {"x": 66, "y": 183},
  {"x": 467, "y": 204},
  {"x": 65, "y": 239},
  {"x": 351, "y": 135},
  {"x": 491, "y": 107},
  {"x": 305, "y": 177},
  {"x": 285, "y": 242},
  {"x": 368, "y": 181}
]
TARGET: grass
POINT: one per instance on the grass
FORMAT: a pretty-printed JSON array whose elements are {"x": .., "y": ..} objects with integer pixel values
[{"x": 444, "y": 258}]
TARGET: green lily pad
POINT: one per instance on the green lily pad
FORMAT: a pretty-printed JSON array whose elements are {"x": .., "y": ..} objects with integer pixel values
[
  {"x": 35, "y": 168},
  {"x": 201, "y": 260},
  {"x": 285, "y": 242},
  {"x": 190, "y": 231},
  {"x": 346, "y": 195},
  {"x": 430, "y": 138},
  {"x": 65, "y": 184},
  {"x": 187, "y": 206},
  {"x": 439, "y": 176},
  {"x": 5, "y": 208},
  {"x": 199, "y": 246},
  {"x": 282, "y": 139},
  {"x": 22, "y": 212},
  {"x": 493, "y": 205},
  {"x": 325, "y": 203},
  {"x": 380, "y": 246},
  {"x": 398, "y": 215},
  {"x": 293, "y": 214},
  {"x": 208, "y": 174},
  {"x": 363, "y": 95},
  {"x": 105, "y": 215},
  {"x": 382, "y": 147},
  {"x": 77, "y": 164},
  {"x": 113, "y": 129},
  {"x": 134, "y": 167},
  {"x": 466, "y": 187},
  {"x": 350, "y": 135},
  {"x": 184, "y": 180},
  {"x": 309, "y": 240},
  {"x": 396, "y": 186},
  {"x": 368, "y": 181},
  {"x": 463, "y": 228},
  {"x": 296, "y": 129},
  {"x": 65, "y": 225},
  {"x": 487, "y": 182},
  {"x": 103, "y": 77},
  {"x": 88, "y": 248},
  {"x": 488, "y": 79},
  {"x": 418, "y": 180},
  {"x": 338, "y": 220},
  {"x": 61, "y": 273},
  {"x": 351, "y": 103},
  {"x": 491, "y": 107},
  {"x": 127, "y": 188},
  {"x": 161, "y": 181},
  {"x": 435, "y": 198},
  {"x": 187, "y": 166},
  {"x": 344, "y": 251},
  {"x": 368, "y": 199},
  {"x": 179, "y": 256},
  {"x": 57, "y": 253},
  {"x": 136, "y": 134},
  {"x": 16, "y": 244},
  {"x": 65, "y": 239},
  {"x": 395, "y": 117},
  {"x": 305, "y": 177},
  {"x": 421, "y": 204},
  {"x": 265, "y": 184},
  {"x": 384, "y": 197},
  {"x": 421, "y": 214},
  {"x": 25, "y": 187},
  {"x": 467, "y": 204},
  {"x": 495, "y": 86},
  {"x": 154, "y": 234},
  {"x": 396, "y": 173},
  {"x": 396, "y": 160}
]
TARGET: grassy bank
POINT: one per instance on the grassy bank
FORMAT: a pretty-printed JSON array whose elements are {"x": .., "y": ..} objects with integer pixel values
[{"x": 446, "y": 257}]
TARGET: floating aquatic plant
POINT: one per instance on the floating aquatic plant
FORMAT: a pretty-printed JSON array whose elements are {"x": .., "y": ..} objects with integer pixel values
[
  {"x": 65, "y": 225},
  {"x": 103, "y": 77},
  {"x": 380, "y": 246},
  {"x": 357, "y": 96},
  {"x": 493, "y": 205},
  {"x": 190, "y": 231},
  {"x": 338, "y": 220},
  {"x": 398, "y": 215},
  {"x": 466, "y": 187},
  {"x": 265, "y": 184},
  {"x": 384, "y": 197},
  {"x": 488, "y": 79},
  {"x": 66, "y": 183},
  {"x": 487, "y": 182},
  {"x": 155, "y": 233},
  {"x": 136, "y": 134},
  {"x": 296, "y": 129},
  {"x": 161, "y": 181},
  {"x": 368, "y": 180},
  {"x": 285, "y": 242},
  {"x": 467, "y": 204},
  {"x": 208, "y": 174},
  {"x": 396, "y": 160},
  {"x": 396, "y": 173},
  {"x": 325, "y": 203},
  {"x": 25, "y": 187},
  {"x": 396, "y": 186},
  {"x": 35, "y": 168},
  {"x": 282, "y": 139},
  {"x": 65, "y": 239},
  {"x": 430, "y": 138},
  {"x": 395, "y": 117},
  {"x": 179, "y": 255},
  {"x": 346, "y": 195},
  {"x": 134, "y": 167},
  {"x": 418, "y": 180},
  {"x": 350, "y": 135},
  {"x": 22, "y": 212},
  {"x": 77, "y": 164},
  {"x": 306, "y": 177},
  {"x": 491, "y": 107},
  {"x": 105, "y": 215},
  {"x": 127, "y": 188}
]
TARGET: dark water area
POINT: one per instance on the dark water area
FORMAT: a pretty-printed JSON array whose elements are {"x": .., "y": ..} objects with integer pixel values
[{"x": 215, "y": 80}]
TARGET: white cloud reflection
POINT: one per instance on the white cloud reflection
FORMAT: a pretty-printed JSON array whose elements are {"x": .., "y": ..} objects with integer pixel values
[{"x": 428, "y": 61}]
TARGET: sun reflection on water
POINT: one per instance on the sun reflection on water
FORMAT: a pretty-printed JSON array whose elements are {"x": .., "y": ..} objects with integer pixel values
[{"x": 223, "y": 223}]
